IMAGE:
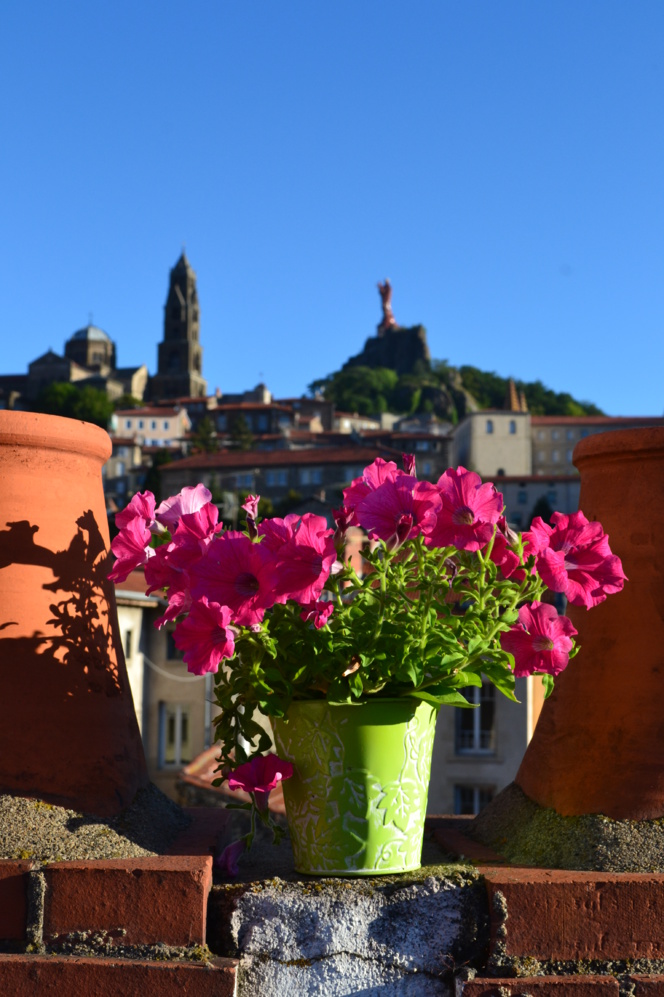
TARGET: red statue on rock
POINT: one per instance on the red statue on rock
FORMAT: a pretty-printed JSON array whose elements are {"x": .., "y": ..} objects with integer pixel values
[{"x": 389, "y": 321}]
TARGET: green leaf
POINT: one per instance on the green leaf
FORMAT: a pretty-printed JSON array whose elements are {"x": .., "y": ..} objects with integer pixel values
[
  {"x": 355, "y": 683},
  {"x": 547, "y": 682},
  {"x": 467, "y": 677},
  {"x": 443, "y": 698}
]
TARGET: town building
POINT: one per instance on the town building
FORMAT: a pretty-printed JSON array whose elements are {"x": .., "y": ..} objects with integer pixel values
[
  {"x": 554, "y": 437},
  {"x": 494, "y": 442},
  {"x": 477, "y": 751}
]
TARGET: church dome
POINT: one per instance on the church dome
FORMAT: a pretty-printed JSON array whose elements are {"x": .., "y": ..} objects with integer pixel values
[{"x": 92, "y": 333}]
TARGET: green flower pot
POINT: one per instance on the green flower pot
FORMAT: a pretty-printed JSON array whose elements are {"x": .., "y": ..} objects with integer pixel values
[{"x": 358, "y": 795}]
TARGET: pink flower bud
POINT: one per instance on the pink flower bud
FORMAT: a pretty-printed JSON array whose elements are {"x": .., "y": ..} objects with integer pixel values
[{"x": 408, "y": 460}]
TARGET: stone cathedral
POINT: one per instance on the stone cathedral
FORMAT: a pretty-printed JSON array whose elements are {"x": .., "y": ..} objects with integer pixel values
[{"x": 180, "y": 355}]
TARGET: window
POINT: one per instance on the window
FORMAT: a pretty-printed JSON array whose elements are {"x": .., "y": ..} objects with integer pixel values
[
  {"x": 140, "y": 423},
  {"x": 570, "y": 434},
  {"x": 262, "y": 423},
  {"x": 127, "y": 423},
  {"x": 127, "y": 643},
  {"x": 422, "y": 445},
  {"x": 541, "y": 456},
  {"x": 426, "y": 467},
  {"x": 517, "y": 520},
  {"x": 512, "y": 426},
  {"x": 350, "y": 473},
  {"x": 165, "y": 424},
  {"x": 311, "y": 476},
  {"x": 552, "y": 496},
  {"x": 279, "y": 478},
  {"x": 489, "y": 425},
  {"x": 555, "y": 456},
  {"x": 474, "y": 729},
  {"x": 153, "y": 424},
  {"x": 541, "y": 435},
  {"x": 174, "y": 734},
  {"x": 471, "y": 799},
  {"x": 555, "y": 435},
  {"x": 245, "y": 480},
  {"x": 522, "y": 496},
  {"x": 171, "y": 649},
  {"x": 569, "y": 456},
  {"x": 119, "y": 468}
]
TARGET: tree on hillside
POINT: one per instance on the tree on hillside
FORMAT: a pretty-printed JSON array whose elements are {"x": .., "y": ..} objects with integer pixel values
[
  {"x": 126, "y": 401},
  {"x": 204, "y": 440},
  {"x": 541, "y": 508},
  {"x": 241, "y": 436},
  {"x": 365, "y": 390},
  {"x": 68, "y": 400}
]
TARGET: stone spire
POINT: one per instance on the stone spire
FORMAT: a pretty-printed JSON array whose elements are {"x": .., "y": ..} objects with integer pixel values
[{"x": 180, "y": 356}]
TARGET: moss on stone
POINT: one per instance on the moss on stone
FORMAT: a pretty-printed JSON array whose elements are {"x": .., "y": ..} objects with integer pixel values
[{"x": 527, "y": 834}]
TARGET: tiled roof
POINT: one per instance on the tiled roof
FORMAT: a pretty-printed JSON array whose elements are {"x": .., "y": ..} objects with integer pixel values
[
  {"x": 542, "y": 479},
  {"x": 597, "y": 420},
  {"x": 146, "y": 412},
  {"x": 281, "y": 458},
  {"x": 254, "y": 406}
]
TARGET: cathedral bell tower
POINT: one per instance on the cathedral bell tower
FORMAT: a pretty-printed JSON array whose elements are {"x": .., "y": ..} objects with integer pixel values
[{"x": 180, "y": 358}]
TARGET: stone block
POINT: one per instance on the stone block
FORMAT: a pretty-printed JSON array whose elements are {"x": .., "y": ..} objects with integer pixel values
[
  {"x": 74, "y": 976},
  {"x": 139, "y": 901},
  {"x": 397, "y": 936},
  {"x": 13, "y": 899},
  {"x": 562, "y": 915}
]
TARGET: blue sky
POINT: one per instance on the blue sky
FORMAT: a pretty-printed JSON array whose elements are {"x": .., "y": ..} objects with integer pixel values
[{"x": 500, "y": 161}]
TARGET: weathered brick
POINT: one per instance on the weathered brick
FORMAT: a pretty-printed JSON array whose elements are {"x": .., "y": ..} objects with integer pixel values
[
  {"x": 150, "y": 900},
  {"x": 72, "y": 976},
  {"x": 647, "y": 986},
  {"x": 13, "y": 899},
  {"x": 556, "y": 914},
  {"x": 547, "y": 986}
]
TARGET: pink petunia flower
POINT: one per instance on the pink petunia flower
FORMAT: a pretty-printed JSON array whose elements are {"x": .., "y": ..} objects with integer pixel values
[
  {"x": 228, "y": 863},
  {"x": 179, "y": 603},
  {"x": 342, "y": 518},
  {"x": 205, "y": 636},
  {"x": 372, "y": 477},
  {"x": 276, "y": 532},
  {"x": 140, "y": 507},
  {"x": 304, "y": 561},
  {"x": 574, "y": 557},
  {"x": 260, "y": 776},
  {"x": 469, "y": 511},
  {"x": 503, "y": 554},
  {"x": 540, "y": 642},
  {"x": 171, "y": 568},
  {"x": 237, "y": 573},
  {"x": 318, "y": 613},
  {"x": 251, "y": 505},
  {"x": 200, "y": 524},
  {"x": 401, "y": 505},
  {"x": 190, "y": 499},
  {"x": 131, "y": 548}
]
